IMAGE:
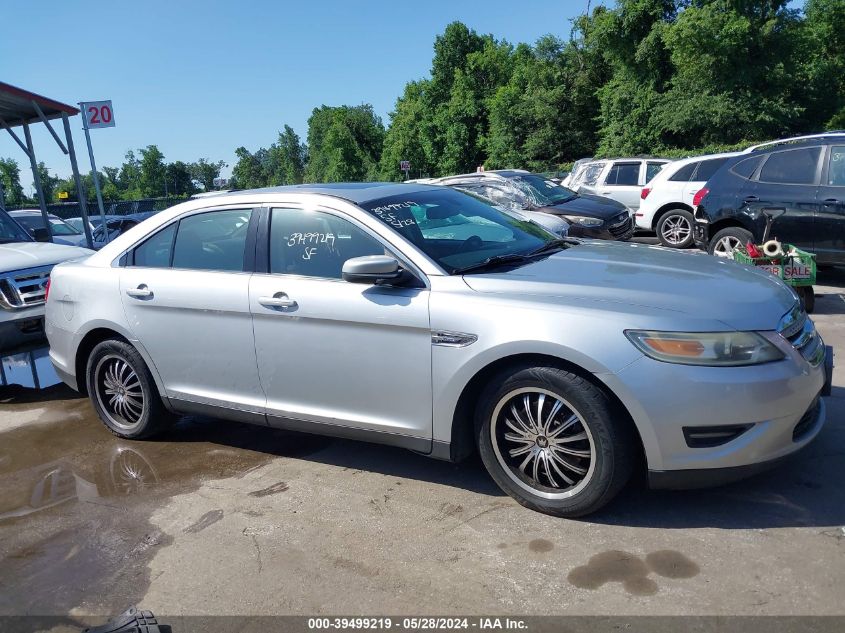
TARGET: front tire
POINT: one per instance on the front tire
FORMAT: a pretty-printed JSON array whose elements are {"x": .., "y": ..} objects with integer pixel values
[
  {"x": 553, "y": 441},
  {"x": 674, "y": 229},
  {"x": 726, "y": 240},
  {"x": 123, "y": 392}
]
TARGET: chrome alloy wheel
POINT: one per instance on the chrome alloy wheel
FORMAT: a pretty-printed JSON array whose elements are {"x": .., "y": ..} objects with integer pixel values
[
  {"x": 726, "y": 246},
  {"x": 676, "y": 230},
  {"x": 119, "y": 392},
  {"x": 542, "y": 443}
]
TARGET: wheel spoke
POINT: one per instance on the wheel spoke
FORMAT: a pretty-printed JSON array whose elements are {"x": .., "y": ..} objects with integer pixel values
[
  {"x": 526, "y": 460},
  {"x": 566, "y": 464},
  {"x": 570, "y": 451},
  {"x": 518, "y": 438},
  {"x": 526, "y": 402},
  {"x": 560, "y": 473},
  {"x": 556, "y": 407},
  {"x": 549, "y": 472},
  {"x": 569, "y": 438},
  {"x": 568, "y": 422},
  {"x": 516, "y": 452},
  {"x": 526, "y": 427},
  {"x": 516, "y": 428}
]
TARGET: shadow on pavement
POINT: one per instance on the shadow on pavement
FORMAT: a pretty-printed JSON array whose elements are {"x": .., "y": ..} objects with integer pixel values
[{"x": 800, "y": 493}]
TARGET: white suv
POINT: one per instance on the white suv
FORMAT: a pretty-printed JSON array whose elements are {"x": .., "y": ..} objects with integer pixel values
[
  {"x": 25, "y": 267},
  {"x": 666, "y": 206},
  {"x": 619, "y": 179}
]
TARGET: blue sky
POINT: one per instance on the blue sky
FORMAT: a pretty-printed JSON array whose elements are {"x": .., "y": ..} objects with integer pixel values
[{"x": 200, "y": 78}]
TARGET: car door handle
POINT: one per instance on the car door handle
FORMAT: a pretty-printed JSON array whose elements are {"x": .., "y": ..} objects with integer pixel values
[
  {"x": 831, "y": 201},
  {"x": 141, "y": 292},
  {"x": 278, "y": 300},
  {"x": 751, "y": 198}
]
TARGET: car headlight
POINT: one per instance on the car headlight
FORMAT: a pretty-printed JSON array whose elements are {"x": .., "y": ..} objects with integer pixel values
[
  {"x": 705, "y": 348},
  {"x": 584, "y": 220}
]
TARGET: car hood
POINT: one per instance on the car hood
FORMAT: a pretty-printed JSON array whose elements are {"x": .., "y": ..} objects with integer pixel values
[
  {"x": 588, "y": 205},
  {"x": 651, "y": 286},
  {"x": 20, "y": 255}
]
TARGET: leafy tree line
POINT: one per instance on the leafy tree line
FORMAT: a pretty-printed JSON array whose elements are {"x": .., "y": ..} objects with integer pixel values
[
  {"x": 142, "y": 175},
  {"x": 670, "y": 77},
  {"x": 662, "y": 77}
]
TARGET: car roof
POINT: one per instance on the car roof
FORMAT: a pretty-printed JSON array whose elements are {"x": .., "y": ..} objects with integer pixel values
[
  {"x": 355, "y": 192},
  {"x": 21, "y": 213},
  {"x": 799, "y": 140}
]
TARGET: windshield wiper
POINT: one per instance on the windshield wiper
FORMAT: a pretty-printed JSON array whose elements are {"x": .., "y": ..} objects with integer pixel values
[
  {"x": 493, "y": 262},
  {"x": 558, "y": 244},
  {"x": 515, "y": 258}
]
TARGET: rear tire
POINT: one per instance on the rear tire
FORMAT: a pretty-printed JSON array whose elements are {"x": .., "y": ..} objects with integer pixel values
[
  {"x": 808, "y": 298},
  {"x": 123, "y": 391},
  {"x": 574, "y": 449},
  {"x": 726, "y": 240},
  {"x": 674, "y": 229}
]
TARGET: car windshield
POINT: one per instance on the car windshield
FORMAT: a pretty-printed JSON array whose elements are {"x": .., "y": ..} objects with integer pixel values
[
  {"x": 457, "y": 230},
  {"x": 11, "y": 231},
  {"x": 57, "y": 225},
  {"x": 543, "y": 192}
]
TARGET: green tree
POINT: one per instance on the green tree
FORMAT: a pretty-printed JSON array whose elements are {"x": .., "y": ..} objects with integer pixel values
[
  {"x": 286, "y": 159},
  {"x": 48, "y": 182},
  {"x": 248, "y": 172},
  {"x": 180, "y": 179},
  {"x": 405, "y": 139},
  {"x": 344, "y": 143},
  {"x": 128, "y": 180},
  {"x": 205, "y": 171},
  {"x": 11, "y": 176},
  {"x": 152, "y": 172}
]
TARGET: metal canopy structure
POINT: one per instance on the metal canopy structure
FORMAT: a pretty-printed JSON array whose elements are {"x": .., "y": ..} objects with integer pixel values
[{"x": 21, "y": 108}]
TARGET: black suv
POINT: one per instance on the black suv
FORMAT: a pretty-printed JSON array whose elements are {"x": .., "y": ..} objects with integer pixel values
[{"x": 800, "y": 182}]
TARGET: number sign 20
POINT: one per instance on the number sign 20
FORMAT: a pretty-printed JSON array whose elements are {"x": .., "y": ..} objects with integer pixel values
[{"x": 98, "y": 114}]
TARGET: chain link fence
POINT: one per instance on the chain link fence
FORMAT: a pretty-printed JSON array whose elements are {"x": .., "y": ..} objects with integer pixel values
[{"x": 67, "y": 210}]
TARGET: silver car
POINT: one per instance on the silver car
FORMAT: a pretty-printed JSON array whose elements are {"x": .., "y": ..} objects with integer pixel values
[{"x": 420, "y": 317}]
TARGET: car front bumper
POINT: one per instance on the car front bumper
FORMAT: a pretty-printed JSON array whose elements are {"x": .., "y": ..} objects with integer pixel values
[{"x": 779, "y": 402}]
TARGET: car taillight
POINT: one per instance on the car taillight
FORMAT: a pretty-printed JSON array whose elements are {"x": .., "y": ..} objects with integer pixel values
[
  {"x": 47, "y": 289},
  {"x": 699, "y": 196},
  {"x": 644, "y": 193}
]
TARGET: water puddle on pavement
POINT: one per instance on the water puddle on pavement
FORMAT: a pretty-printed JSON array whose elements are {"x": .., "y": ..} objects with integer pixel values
[{"x": 75, "y": 501}]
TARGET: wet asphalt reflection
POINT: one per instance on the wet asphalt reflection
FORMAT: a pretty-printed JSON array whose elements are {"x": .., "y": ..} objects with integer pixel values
[{"x": 75, "y": 501}]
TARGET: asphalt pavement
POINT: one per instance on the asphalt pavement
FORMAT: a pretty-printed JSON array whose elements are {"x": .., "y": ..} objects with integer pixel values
[{"x": 222, "y": 518}]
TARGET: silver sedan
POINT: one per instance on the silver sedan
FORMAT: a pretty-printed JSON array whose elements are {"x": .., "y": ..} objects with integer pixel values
[{"x": 420, "y": 317}]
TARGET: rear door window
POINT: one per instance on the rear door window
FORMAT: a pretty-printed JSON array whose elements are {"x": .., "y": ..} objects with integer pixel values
[
  {"x": 623, "y": 175},
  {"x": 215, "y": 240},
  {"x": 652, "y": 169},
  {"x": 791, "y": 167},
  {"x": 155, "y": 251},
  {"x": 747, "y": 167},
  {"x": 684, "y": 173},
  {"x": 707, "y": 168},
  {"x": 836, "y": 166}
]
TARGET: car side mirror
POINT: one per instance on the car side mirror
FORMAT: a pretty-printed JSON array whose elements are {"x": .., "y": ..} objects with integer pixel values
[
  {"x": 40, "y": 234},
  {"x": 371, "y": 269}
]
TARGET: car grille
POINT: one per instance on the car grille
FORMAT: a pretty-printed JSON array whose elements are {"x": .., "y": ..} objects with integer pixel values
[
  {"x": 805, "y": 424},
  {"x": 620, "y": 225},
  {"x": 24, "y": 288},
  {"x": 799, "y": 329}
]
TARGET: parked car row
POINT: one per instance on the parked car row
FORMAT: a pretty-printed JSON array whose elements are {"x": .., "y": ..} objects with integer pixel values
[
  {"x": 800, "y": 182},
  {"x": 587, "y": 215}
]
